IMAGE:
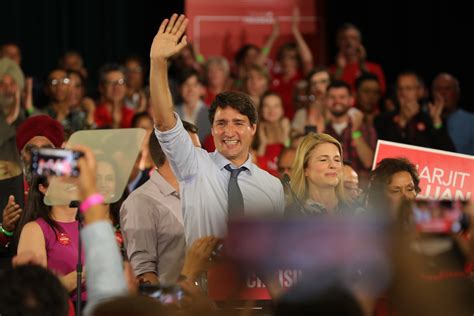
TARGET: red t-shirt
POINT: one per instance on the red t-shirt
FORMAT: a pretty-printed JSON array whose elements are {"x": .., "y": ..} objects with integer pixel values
[
  {"x": 103, "y": 117},
  {"x": 352, "y": 72},
  {"x": 286, "y": 91}
]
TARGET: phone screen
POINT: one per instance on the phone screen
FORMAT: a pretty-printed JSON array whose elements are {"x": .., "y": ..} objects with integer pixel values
[
  {"x": 165, "y": 294},
  {"x": 55, "y": 162},
  {"x": 439, "y": 216}
]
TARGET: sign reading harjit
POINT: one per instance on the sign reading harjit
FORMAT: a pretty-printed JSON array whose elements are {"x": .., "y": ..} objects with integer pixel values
[{"x": 443, "y": 175}]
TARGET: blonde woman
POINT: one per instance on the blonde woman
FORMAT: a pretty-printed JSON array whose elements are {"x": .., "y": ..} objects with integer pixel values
[{"x": 316, "y": 176}]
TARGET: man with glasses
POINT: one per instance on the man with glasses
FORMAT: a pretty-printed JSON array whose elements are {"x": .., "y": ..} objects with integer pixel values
[
  {"x": 410, "y": 124},
  {"x": 111, "y": 111},
  {"x": 59, "y": 86}
]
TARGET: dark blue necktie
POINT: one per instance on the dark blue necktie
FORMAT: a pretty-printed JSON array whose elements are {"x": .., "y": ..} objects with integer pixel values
[{"x": 235, "y": 198}]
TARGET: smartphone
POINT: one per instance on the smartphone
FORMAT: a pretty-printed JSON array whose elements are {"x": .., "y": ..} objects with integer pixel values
[
  {"x": 440, "y": 217},
  {"x": 172, "y": 294},
  {"x": 310, "y": 129},
  {"x": 55, "y": 162}
]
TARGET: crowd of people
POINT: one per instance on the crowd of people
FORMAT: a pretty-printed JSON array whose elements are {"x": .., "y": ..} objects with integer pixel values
[{"x": 224, "y": 140}]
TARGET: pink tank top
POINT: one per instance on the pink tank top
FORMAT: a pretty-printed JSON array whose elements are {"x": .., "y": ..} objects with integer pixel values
[{"x": 61, "y": 248}]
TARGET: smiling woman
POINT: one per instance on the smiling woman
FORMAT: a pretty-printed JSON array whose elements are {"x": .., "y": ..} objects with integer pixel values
[{"x": 317, "y": 176}]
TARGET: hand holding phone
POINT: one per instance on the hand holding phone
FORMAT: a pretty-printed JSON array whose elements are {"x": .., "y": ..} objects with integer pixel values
[{"x": 173, "y": 294}]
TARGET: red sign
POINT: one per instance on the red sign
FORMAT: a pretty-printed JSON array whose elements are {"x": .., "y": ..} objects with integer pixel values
[
  {"x": 224, "y": 283},
  {"x": 222, "y": 27},
  {"x": 443, "y": 175}
]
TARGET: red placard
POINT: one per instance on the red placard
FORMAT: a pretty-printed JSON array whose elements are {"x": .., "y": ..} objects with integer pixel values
[
  {"x": 222, "y": 27},
  {"x": 224, "y": 283},
  {"x": 443, "y": 175}
]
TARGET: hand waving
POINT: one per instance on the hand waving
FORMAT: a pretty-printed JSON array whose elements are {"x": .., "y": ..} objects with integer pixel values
[{"x": 167, "y": 41}]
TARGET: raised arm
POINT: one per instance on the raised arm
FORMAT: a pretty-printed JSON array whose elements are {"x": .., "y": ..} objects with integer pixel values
[
  {"x": 267, "y": 48},
  {"x": 167, "y": 42},
  {"x": 305, "y": 52}
]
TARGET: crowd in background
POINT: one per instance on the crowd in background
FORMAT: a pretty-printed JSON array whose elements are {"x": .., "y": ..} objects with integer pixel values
[{"x": 305, "y": 111}]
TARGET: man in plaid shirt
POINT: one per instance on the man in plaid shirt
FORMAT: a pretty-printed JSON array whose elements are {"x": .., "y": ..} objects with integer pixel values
[{"x": 358, "y": 140}]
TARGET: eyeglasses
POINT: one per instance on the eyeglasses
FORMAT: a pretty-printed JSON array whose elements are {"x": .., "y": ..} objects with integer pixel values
[
  {"x": 63, "y": 81},
  {"x": 119, "y": 82}
]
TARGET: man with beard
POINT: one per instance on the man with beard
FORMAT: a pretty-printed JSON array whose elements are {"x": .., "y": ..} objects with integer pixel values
[
  {"x": 36, "y": 132},
  {"x": 11, "y": 83},
  {"x": 358, "y": 139}
]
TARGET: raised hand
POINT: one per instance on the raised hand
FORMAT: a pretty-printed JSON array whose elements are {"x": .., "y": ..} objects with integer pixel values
[
  {"x": 436, "y": 109},
  {"x": 295, "y": 20},
  {"x": 361, "y": 52},
  {"x": 11, "y": 214},
  {"x": 275, "y": 28},
  {"x": 197, "y": 257},
  {"x": 167, "y": 41}
]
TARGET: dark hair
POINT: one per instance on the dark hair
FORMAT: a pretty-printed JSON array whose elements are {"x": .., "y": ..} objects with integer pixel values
[
  {"x": 366, "y": 76},
  {"x": 380, "y": 177},
  {"x": 347, "y": 26},
  {"x": 305, "y": 299},
  {"x": 317, "y": 70},
  {"x": 34, "y": 209},
  {"x": 140, "y": 115},
  {"x": 239, "y": 101},
  {"x": 287, "y": 47},
  {"x": 242, "y": 52},
  {"x": 130, "y": 305},
  {"x": 107, "y": 68},
  {"x": 187, "y": 73},
  {"x": 32, "y": 290},
  {"x": 411, "y": 73},
  {"x": 69, "y": 53},
  {"x": 136, "y": 58},
  {"x": 156, "y": 152},
  {"x": 339, "y": 84}
]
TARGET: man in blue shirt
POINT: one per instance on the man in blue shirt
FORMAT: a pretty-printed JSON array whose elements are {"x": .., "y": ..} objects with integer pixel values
[
  {"x": 206, "y": 184},
  {"x": 460, "y": 123}
]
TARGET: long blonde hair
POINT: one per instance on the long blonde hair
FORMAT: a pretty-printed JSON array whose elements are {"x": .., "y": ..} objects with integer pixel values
[{"x": 299, "y": 183}]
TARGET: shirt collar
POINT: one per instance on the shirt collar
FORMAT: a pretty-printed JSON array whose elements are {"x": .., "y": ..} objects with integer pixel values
[
  {"x": 162, "y": 184},
  {"x": 221, "y": 162}
]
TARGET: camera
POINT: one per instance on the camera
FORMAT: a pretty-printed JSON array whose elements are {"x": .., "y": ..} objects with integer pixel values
[
  {"x": 172, "y": 294},
  {"x": 55, "y": 162}
]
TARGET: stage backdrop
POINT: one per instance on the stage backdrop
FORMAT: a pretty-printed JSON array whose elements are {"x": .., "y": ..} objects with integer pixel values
[{"x": 222, "y": 27}]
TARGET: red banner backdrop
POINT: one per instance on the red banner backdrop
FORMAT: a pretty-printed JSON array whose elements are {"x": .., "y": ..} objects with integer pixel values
[
  {"x": 222, "y": 27},
  {"x": 443, "y": 175}
]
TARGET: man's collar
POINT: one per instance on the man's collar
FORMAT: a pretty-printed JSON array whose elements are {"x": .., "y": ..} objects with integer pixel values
[
  {"x": 221, "y": 162},
  {"x": 162, "y": 184}
]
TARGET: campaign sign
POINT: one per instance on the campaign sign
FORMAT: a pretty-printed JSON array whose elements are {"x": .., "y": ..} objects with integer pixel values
[{"x": 443, "y": 175}]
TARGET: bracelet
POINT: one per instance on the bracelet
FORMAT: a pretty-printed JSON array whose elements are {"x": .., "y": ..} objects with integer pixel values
[
  {"x": 265, "y": 50},
  {"x": 438, "y": 126},
  {"x": 356, "y": 134},
  {"x": 29, "y": 111},
  {"x": 5, "y": 232},
  {"x": 200, "y": 58},
  {"x": 92, "y": 200}
]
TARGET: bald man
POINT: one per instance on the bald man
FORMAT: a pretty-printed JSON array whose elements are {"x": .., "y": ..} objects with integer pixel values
[{"x": 460, "y": 123}]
